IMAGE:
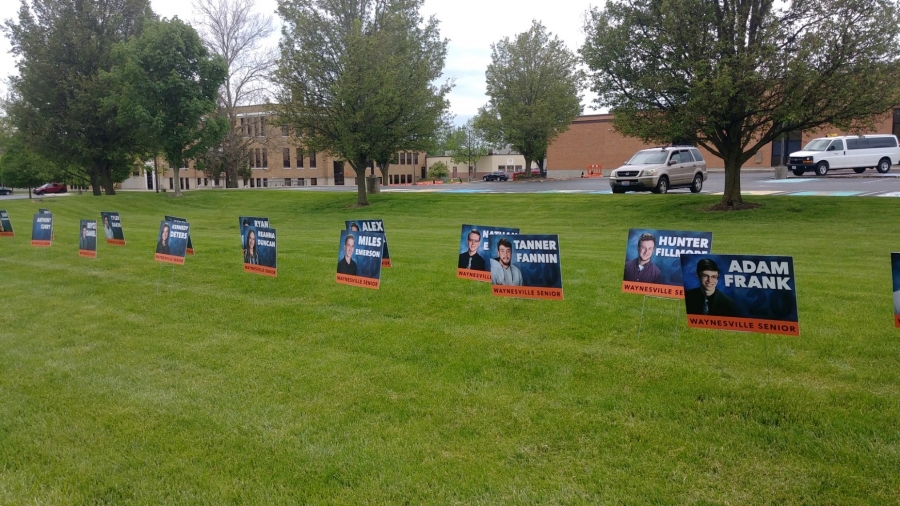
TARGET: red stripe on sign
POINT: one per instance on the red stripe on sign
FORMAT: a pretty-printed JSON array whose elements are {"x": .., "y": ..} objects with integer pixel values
[
  {"x": 87, "y": 253},
  {"x": 473, "y": 275},
  {"x": 653, "y": 289},
  {"x": 527, "y": 292},
  {"x": 744, "y": 324},
  {"x": 116, "y": 242},
  {"x": 169, "y": 259},
  {"x": 347, "y": 279},
  {"x": 260, "y": 269},
  {"x": 41, "y": 244}
]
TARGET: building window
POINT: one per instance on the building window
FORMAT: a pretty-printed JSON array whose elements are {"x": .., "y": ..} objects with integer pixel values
[
  {"x": 301, "y": 182},
  {"x": 171, "y": 183},
  {"x": 518, "y": 167},
  {"x": 313, "y": 181},
  {"x": 284, "y": 130},
  {"x": 265, "y": 156},
  {"x": 265, "y": 182},
  {"x": 205, "y": 182},
  {"x": 416, "y": 158},
  {"x": 312, "y": 161},
  {"x": 287, "y": 181},
  {"x": 402, "y": 158},
  {"x": 252, "y": 185},
  {"x": 896, "y": 127},
  {"x": 299, "y": 158},
  {"x": 286, "y": 152}
]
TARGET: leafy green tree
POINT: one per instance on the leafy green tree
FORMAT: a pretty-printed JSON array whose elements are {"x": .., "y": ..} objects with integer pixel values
[
  {"x": 467, "y": 145},
  {"x": 61, "y": 99},
  {"x": 22, "y": 167},
  {"x": 171, "y": 84},
  {"x": 356, "y": 79},
  {"x": 734, "y": 76},
  {"x": 438, "y": 170},
  {"x": 533, "y": 85}
]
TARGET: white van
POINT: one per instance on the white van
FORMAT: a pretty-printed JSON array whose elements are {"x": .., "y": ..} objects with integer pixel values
[{"x": 857, "y": 152}]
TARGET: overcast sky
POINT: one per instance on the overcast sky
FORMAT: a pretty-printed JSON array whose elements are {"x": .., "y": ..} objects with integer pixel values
[{"x": 471, "y": 25}]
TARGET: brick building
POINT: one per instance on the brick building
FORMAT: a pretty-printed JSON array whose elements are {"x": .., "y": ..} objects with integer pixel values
[
  {"x": 592, "y": 140},
  {"x": 276, "y": 160}
]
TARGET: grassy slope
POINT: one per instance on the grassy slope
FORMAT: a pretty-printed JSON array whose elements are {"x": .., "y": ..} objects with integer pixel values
[{"x": 116, "y": 387}]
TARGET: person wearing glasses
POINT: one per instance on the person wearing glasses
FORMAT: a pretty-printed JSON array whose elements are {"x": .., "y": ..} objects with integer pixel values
[
  {"x": 470, "y": 259},
  {"x": 705, "y": 299}
]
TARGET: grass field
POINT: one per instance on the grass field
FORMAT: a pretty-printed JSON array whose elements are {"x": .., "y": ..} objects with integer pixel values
[{"x": 118, "y": 386}]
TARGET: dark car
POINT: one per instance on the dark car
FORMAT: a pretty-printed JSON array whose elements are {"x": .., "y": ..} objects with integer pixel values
[
  {"x": 51, "y": 188},
  {"x": 497, "y": 175},
  {"x": 5, "y": 191}
]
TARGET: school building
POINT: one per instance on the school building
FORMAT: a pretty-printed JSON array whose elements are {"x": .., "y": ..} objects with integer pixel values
[
  {"x": 591, "y": 141},
  {"x": 276, "y": 160}
]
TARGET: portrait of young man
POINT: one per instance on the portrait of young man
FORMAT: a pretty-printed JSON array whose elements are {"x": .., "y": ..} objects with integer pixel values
[
  {"x": 706, "y": 299},
  {"x": 470, "y": 259},
  {"x": 502, "y": 270},
  {"x": 346, "y": 265},
  {"x": 642, "y": 269}
]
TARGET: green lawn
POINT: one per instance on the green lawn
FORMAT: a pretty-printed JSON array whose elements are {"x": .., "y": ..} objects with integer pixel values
[{"x": 119, "y": 387}]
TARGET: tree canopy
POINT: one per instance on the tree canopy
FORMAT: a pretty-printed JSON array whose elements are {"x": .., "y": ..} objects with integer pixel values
[
  {"x": 533, "y": 86},
  {"x": 357, "y": 79},
  {"x": 467, "y": 145},
  {"x": 62, "y": 103},
  {"x": 171, "y": 84},
  {"x": 733, "y": 76}
]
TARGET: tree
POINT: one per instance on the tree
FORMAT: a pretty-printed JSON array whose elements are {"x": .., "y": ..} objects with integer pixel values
[
  {"x": 230, "y": 29},
  {"x": 467, "y": 145},
  {"x": 22, "y": 167},
  {"x": 734, "y": 76},
  {"x": 438, "y": 170},
  {"x": 356, "y": 79},
  {"x": 171, "y": 85},
  {"x": 533, "y": 85},
  {"x": 61, "y": 101}
]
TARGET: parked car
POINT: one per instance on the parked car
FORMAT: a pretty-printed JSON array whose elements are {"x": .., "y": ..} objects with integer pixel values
[
  {"x": 497, "y": 175},
  {"x": 660, "y": 169},
  {"x": 857, "y": 152},
  {"x": 51, "y": 188},
  {"x": 5, "y": 191}
]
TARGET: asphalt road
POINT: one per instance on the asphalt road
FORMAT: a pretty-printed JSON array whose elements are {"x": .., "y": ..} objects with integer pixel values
[{"x": 839, "y": 184}]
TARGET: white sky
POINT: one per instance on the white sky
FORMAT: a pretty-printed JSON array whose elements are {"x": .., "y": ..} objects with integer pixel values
[{"x": 471, "y": 25}]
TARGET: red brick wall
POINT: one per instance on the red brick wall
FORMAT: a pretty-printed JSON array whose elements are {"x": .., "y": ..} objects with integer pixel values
[{"x": 591, "y": 140}]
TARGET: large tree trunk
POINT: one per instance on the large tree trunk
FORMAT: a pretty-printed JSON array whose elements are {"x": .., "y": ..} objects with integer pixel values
[
  {"x": 361, "y": 199},
  {"x": 527, "y": 173},
  {"x": 94, "y": 174},
  {"x": 106, "y": 175},
  {"x": 177, "y": 185},
  {"x": 385, "y": 167},
  {"x": 731, "y": 198}
]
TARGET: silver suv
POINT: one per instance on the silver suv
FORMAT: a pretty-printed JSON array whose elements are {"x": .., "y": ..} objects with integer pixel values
[{"x": 659, "y": 169}]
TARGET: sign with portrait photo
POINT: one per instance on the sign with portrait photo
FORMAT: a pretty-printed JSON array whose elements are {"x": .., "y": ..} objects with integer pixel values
[
  {"x": 112, "y": 228},
  {"x": 744, "y": 293},
  {"x": 42, "y": 230},
  {"x": 895, "y": 271},
  {"x": 359, "y": 259},
  {"x": 171, "y": 243},
  {"x": 260, "y": 253},
  {"x": 6, "y": 229},
  {"x": 190, "y": 244},
  {"x": 526, "y": 266},
  {"x": 373, "y": 226},
  {"x": 653, "y": 260},
  {"x": 474, "y": 251},
  {"x": 87, "y": 239},
  {"x": 244, "y": 222}
]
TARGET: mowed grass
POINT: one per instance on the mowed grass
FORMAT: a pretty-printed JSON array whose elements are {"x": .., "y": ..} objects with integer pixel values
[{"x": 124, "y": 382}]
